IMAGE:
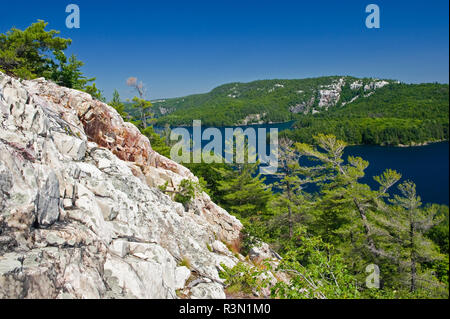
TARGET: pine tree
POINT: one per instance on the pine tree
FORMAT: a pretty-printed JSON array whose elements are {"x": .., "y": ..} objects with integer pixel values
[
  {"x": 244, "y": 191},
  {"x": 28, "y": 53},
  {"x": 118, "y": 105},
  {"x": 408, "y": 223},
  {"x": 67, "y": 72},
  {"x": 346, "y": 209},
  {"x": 144, "y": 108},
  {"x": 291, "y": 199}
]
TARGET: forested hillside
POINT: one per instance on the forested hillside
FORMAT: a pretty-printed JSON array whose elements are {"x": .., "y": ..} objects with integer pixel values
[
  {"x": 358, "y": 111},
  {"x": 395, "y": 114},
  {"x": 264, "y": 101}
]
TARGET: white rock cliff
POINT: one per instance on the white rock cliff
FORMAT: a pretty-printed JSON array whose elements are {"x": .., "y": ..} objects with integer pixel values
[{"x": 80, "y": 212}]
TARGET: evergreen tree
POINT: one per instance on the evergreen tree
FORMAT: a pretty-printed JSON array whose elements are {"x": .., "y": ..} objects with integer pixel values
[
  {"x": 245, "y": 193},
  {"x": 95, "y": 92},
  {"x": 36, "y": 52},
  {"x": 28, "y": 53},
  {"x": 408, "y": 223},
  {"x": 316, "y": 271},
  {"x": 213, "y": 174},
  {"x": 157, "y": 142},
  {"x": 166, "y": 134},
  {"x": 346, "y": 211},
  {"x": 118, "y": 105},
  {"x": 291, "y": 201},
  {"x": 67, "y": 72},
  {"x": 144, "y": 108}
]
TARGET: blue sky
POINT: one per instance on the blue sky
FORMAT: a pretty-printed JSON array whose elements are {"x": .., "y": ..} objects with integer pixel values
[{"x": 184, "y": 47}]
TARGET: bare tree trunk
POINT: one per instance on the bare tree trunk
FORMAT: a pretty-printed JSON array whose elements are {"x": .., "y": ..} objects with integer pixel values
[
  {"x": 413, "y": 259},
  {"x": 291, "y": 233},
  {"x": 143, "y": 119},
  {"x": 367, "y": 229}
]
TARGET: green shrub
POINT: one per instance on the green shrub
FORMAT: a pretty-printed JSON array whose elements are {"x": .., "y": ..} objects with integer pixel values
[{"x": 243, "y": 278}]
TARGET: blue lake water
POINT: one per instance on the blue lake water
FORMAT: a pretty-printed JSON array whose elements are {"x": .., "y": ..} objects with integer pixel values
[{"x": 427, "y": 166}]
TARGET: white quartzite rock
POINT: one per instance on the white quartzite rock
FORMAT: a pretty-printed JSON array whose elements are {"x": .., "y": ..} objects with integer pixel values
[{"x": 80, "y": 212}]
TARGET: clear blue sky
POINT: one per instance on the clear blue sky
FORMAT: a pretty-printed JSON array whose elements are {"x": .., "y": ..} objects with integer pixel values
[{"x": 184, "y": 47}]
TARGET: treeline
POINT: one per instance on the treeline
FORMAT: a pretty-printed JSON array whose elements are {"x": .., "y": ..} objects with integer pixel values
[
  {"x": 229, "y": 104},
  {"x": 395, "y": 114},
  {"x": 372, "y": 131},
  {"x": 226, "y": 111}
]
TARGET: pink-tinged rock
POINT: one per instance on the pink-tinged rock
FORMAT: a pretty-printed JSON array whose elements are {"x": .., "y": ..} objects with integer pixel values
[{"x": 104, "y": 126}]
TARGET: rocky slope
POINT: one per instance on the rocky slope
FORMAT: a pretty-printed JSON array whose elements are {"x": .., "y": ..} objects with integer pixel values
[{"x": 80, "y": 212}]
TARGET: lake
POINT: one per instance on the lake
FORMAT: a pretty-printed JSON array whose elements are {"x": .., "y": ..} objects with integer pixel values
[{"x": 427, "y": 166}]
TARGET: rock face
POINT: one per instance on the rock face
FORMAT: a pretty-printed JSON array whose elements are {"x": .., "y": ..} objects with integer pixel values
[
  {"x": 253, "y": 119},
  {"x": 80, "y": 212},
  {"x": 328, "y": 96}
]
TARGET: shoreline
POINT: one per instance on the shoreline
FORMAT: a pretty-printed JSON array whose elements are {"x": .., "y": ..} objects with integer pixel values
[
  {"x": 413, "y": 144},
  {"x": 426, "y": 143}
]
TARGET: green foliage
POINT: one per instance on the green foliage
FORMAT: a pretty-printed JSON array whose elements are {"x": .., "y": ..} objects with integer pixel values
[
  {"x": 118, "y": 105},
  {"x": 185, "y": 262},
  {"x": 212, "y": 174},
  {"x": 347, "y": 225},
  {"x": 95, "y": 92},
  {"x": 245, "y": 193},
  {"x": 229, "y": 104},
  {"x": 345, "y": 207},
  {"x": 28, "y": 53},
  {"x": 186, "y": 191},
  {"x": 163, "y": 188},
  {"x": 68, "y": 72},
  {"x": 364, "y": 228},
  {"x": 143, "y": 107},
  {"x": 407, "y": 223},
  {"x": 440, "y": 267},
  {"x": 440, "y": 232},
  {"x": 405, "y": 114},
  {"x": 317, "y": 271},
  {"x": 157, "y": 142},
  {"x": 36, "y": 52},
  {"x": 291, "y": 201},
  {"x": 253, "y": 232},
  {"x": 243, "y": 278},
  {"x": 395, "y": 114}
]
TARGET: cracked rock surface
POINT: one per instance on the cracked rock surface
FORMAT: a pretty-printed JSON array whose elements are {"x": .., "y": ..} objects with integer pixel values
[{"x": 81, "y": 215}]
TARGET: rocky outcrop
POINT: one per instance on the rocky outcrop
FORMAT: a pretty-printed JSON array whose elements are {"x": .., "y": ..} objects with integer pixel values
[
  {"x": 327, "y": 96},
  {"x": 303, "y": 107},
  {"x": 375, "y": 85},
  {"x": 81, "y": 215},
  {"x": 330, "y": 95},
  {"x": 253, "y": 119}
]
